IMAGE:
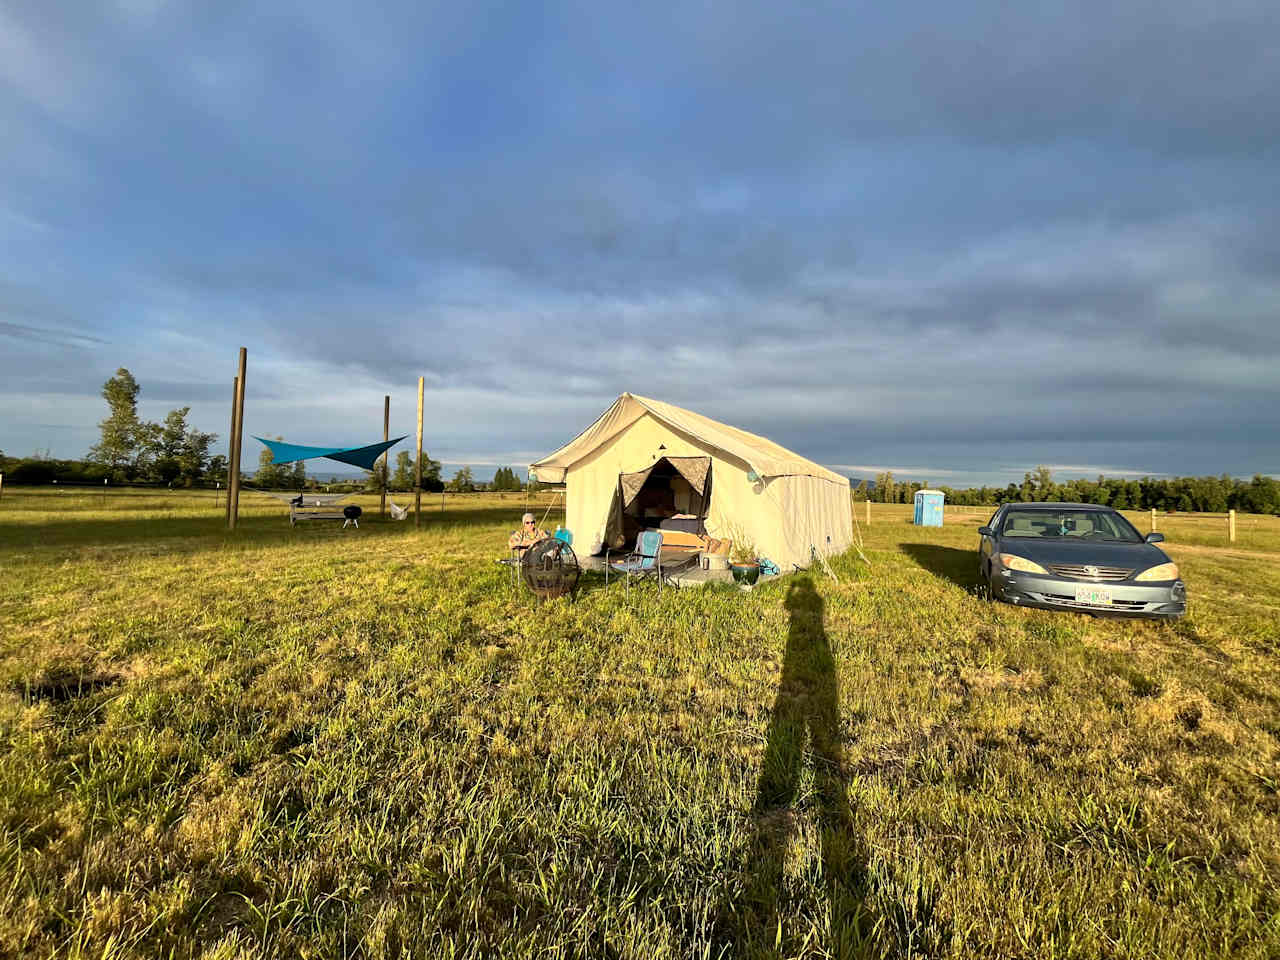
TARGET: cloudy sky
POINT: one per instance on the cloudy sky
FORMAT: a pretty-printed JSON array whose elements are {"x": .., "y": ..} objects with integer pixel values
[{"x": 956, "y": 240}]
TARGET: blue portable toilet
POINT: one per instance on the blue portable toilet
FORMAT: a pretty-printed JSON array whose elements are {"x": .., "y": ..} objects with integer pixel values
[{"x": 929, "y": 508}]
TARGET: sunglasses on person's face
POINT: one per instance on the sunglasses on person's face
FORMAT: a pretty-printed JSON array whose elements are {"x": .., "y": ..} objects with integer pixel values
[{"x": 528, "y": 523}]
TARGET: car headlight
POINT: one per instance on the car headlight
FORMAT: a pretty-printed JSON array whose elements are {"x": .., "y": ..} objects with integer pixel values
[
  {"x": 1014, "y": 562},
  {"x": 1165, "y": 571}
]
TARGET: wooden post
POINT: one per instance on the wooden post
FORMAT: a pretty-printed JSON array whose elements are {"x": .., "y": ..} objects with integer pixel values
[
  {"x": 417, "y": 470},
  {"x": 1, "y": 486},
  {"x": 386, "y": 435},
  {"x": 233, "y": 491},
  {"x": 868, "y": 511},
  {"x": 231, "y": 448},
  {"x": 1153, "y": 519},
  {"x": 104, "y": 493},
  {"x": 1231, "y": 525}
]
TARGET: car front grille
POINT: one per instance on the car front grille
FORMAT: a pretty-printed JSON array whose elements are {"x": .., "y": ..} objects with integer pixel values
[
  {"x": 1077, "y": 572},
  {"x": 1113, "y": 605}
]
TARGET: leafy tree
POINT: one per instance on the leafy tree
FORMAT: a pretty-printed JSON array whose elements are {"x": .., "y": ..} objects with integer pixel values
[
  {"x": 462, "y": 481},
  {"x": 298, "y": 481},
  {"x": 885, "y": 489},
  {"x": 270, "y": 475},
  {"x": 216, "y": 472},
  {"x": 377, "y": 481},
  {"x": 122, "y": 446},
  {"x": 504, "y": 478},
  {"x": 402, "y": 479}
]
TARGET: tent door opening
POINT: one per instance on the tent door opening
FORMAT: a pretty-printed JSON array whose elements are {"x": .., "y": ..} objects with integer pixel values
[{"x": 674, "y": 493}]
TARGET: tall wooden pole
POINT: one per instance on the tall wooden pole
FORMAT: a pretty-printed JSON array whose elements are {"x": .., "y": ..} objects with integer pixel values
[
  {"x": 233, "y": 490},
  {"x": 1231, "y": 526},
  {"x": 386, "y": 435},
  {"x": 231, "y": 448},
  {"x": 417, "y": 471}
]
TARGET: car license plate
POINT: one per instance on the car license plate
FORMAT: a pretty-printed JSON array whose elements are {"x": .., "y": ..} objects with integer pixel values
[{"x": 1093, "y": 595}]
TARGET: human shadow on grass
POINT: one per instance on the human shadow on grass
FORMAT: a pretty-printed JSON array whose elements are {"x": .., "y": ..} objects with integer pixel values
[
  {"x": 950, "y": 563},
  {"x": 807, "y": 709}
]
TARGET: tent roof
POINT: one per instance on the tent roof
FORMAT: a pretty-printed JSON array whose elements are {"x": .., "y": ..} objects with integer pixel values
[
  {"x": 365, "y": 457},
  {"x": 762, "y": 455}
]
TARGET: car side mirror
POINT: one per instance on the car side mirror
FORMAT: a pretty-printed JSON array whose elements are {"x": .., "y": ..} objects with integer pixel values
[
  {"x": 1155, "y": 536},
  {"x": 984, "y": 531}
]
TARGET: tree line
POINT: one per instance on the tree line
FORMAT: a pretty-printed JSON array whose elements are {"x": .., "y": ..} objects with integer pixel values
[
  {"x": 130, "y": 449},
  {"x": 1208, "y": 494}
]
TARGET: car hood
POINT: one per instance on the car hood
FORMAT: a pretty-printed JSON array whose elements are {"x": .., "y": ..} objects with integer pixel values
[{"x": 1139, "y": 556}]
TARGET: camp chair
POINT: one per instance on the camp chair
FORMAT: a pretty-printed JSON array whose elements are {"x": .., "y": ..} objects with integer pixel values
[
  {"x": 564, "y": 536},
  {"x": 644, "y": 561}
]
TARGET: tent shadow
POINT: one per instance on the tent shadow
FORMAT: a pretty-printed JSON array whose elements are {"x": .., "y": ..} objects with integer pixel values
[{"x": 950, "y": 563}]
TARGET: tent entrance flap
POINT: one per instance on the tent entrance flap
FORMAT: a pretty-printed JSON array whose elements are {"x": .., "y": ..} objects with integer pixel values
[{"x": 671, "y": 486}]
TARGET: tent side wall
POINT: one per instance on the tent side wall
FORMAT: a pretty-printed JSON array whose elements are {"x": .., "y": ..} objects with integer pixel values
[{"x": 818, "y": 513}]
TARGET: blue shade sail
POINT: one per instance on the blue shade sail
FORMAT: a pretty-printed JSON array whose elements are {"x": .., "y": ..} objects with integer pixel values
[{"x": 364, "y": 457}]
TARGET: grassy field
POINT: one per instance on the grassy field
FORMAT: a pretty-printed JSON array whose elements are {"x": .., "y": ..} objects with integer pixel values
[{"x": 314, "y": 742}]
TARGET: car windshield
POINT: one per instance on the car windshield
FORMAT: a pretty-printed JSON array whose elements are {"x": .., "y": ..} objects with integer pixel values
[{"x": 1069, "y": 525}]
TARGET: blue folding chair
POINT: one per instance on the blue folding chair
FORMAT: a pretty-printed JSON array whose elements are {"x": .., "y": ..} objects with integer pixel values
[
  {"x": 644, "y": 561},
  {"x": 564, "y": 536}
]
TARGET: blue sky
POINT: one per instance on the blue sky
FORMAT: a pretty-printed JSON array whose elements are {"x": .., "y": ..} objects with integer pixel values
[{"x": 952, "y": 240}]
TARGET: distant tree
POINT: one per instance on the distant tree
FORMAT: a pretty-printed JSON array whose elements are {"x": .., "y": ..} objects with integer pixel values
[
  {"x": 122, "y": 446},
  {"x": 462, "y": 481},
  {"x": 402, "y": 479},
  {"x": 216, "y": 472},
  {"x": 504, "y": 478},
  {"x": 270, "y": 475},
  {"x": 377, "y": 481},
  {"x": 298, "y": 481},
  {"x": 886, "y": 490},
  {"x": 178, "y": 453}
]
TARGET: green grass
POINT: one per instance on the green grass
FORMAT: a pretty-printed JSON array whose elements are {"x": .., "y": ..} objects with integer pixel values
[{"x": 316, "y": 742}]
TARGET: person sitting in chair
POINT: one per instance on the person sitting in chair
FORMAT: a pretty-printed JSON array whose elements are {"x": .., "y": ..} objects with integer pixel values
[{"x": 528, "y": 534}]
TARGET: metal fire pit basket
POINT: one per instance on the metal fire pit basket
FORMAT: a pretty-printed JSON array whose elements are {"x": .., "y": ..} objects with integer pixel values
[{"x": 550, "y": 569}]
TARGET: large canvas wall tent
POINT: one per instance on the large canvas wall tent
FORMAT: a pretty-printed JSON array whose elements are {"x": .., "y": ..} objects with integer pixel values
[{"x": 645, "y": 464}]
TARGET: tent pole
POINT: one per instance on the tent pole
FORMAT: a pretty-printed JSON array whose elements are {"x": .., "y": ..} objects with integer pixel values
[
  {"x": 234, "y": 492},
  {"x": 417, "y": 473},
  {"x": 386, "y": 435}
]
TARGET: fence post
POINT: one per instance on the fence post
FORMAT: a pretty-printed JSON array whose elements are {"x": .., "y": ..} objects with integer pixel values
[
  {"x": 868, "y": 511},
  {"x": 1, "y": 486},
  {"x": 233, "y": 483},
  {"x": 1231, "y": 525},
  {"x": 104, "y": 494},
  {"x": 1153, "y": 519}
]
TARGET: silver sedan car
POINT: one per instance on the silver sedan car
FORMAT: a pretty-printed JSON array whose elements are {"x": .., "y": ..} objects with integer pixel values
[{"x": 1077, "y": 556}]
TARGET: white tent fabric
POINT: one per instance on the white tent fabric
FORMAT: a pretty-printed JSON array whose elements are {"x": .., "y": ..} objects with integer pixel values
[
  {"x": 785, "y": 505},
  {"x": 397, "y": 513}
]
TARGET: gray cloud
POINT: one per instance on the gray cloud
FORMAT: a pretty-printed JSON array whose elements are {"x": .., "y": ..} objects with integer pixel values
[{"x": 880, "y": 235}]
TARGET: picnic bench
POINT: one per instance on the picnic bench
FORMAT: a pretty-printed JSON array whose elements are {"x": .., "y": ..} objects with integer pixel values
[{"x": 320, "y": 508}]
